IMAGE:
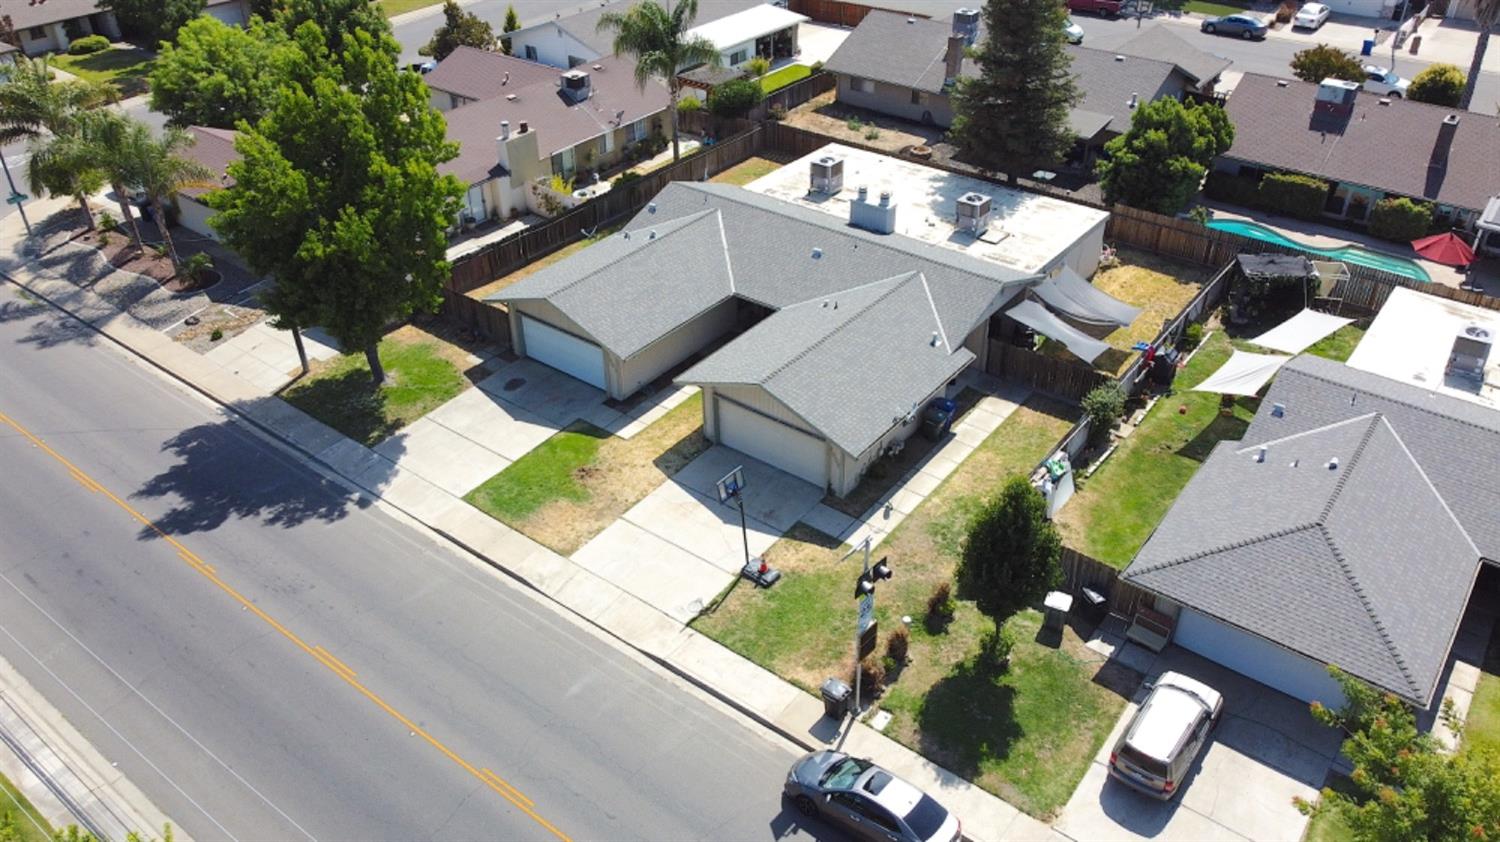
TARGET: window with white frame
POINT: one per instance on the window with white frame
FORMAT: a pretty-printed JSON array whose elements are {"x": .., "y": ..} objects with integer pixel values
[
  {"x": 636, "y": 132},
  {"x": 739, "y": 57}
]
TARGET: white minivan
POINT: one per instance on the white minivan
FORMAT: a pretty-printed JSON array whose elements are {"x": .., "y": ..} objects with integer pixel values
[{"x": 1165, "y": 736}]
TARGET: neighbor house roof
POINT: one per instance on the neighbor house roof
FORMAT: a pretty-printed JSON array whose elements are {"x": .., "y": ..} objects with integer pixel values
[
  {"x": 754, "y": 22},
  {"x": 1108, "y": 80},
  {"x": 1401, "y": 147},
  {"x": 25, "y": 14},
  {"x": 1332, "y": 542},
  {"x": 559, "y": 122},
  {"x": 1159, "y": 42},
  {"x": 481, "y": 74},
  {"x": 811, "y": 356},
  {"x": 584, "y": 25},
  {"x": 214, "y": 149}
]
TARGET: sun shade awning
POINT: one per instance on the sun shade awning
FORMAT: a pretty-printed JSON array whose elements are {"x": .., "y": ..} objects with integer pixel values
[
  {"x": 1072, "y": 296},
  {"x": 1039, "y": 319},
  {"x": 1243, "y": 374},
  {"x": 1300, "y": 331}
]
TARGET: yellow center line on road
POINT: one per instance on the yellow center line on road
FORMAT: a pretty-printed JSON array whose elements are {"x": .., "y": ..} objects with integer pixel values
[{"x": 496, "y": 783}]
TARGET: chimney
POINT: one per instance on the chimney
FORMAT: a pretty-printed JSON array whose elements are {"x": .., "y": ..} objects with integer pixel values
[
  {"x": 1437, "y": 162},
  {"x": 878, "y": 219},
  {"x": 953, "y": 59}
]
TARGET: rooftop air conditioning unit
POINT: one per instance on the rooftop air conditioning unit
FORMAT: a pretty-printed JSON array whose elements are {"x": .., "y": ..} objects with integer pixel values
[
  {"x": 974, "y": 213},
  {"x": 1471, "y": 351},
  {"x": 966, "y": 24},
  {"x": 827, "y": 175},
  {"x": 575, "y": 85}
]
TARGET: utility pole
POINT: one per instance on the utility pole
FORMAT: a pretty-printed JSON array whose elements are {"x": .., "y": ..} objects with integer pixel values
[{"x": 864, "y": 591}]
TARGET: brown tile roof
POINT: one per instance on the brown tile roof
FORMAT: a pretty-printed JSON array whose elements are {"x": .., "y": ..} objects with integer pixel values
[
  {"x": 1402, "y": 147},
  {"x": 481, "y": 74},
  {"x": 214, "y": 149},
  {"x": 26, "y": 13},
  {"x": 559, "y": 123}
]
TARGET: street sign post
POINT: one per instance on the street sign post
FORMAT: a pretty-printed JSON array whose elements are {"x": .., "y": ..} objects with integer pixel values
[
  {"x": 16, "y": 198},
  {"x": 866, "y": 630}
]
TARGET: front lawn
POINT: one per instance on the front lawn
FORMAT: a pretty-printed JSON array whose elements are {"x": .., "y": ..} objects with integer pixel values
[
  {"x": 581, "y": 480},
  {"x": 1215, "y": 8},
  {"x": 19, "y": 819},
  {"x": 422, "y": 373},
  {"x": 778, "y": 79},
  {"x": 396, "y": 7},
  {"x": 1115, "y": 510},
  {"x": 1028, "y": 734},
  {"x": 1482, "y": 728},
  {"x": 124, "y": 67},
  {"x": 746, "y": 171}
]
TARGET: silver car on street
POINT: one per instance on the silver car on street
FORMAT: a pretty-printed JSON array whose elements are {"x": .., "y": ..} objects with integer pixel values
[{"x": 867, "y": 801}]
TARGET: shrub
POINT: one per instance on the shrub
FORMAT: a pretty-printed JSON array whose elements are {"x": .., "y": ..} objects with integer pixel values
[
  {"x": 194, "y": 265},
  {"x": 560, "y": 185},
  {"x": 898, "y": 645},
  {"x": 734, "y": 98},
  {"x": 1103, "y": 405},
  {"x": 105, "y": 239},
  {"x": 872, "y": 133},
  {"x": 1010, "y": 556},
  {"x": 689, "y": 103},
  {"x": 1200, "y": 214},
  {"x": 1234, "y": 189},
  {"x": 1439, "y": 84},
  {"x": 1400, "y": 220},
  {"x": 854, "y": 124},
  {"x": 625, "y": 178},
  {"x": 216, "y": 335},
  {"x": 1192, "y": 337},
  {"x": 1285, "y": 12},
  {"x": 941, "y": 607},
  {"x": 107, "y": 221},
  {"x": 1315, "y": 64},
  {"x": 995, "y": 648},
  {"x": 1293, "y": 195},
  {"x": 817, "y": 67},
  {"x": 777, "y": 112},
  {"x": 758, "y": 66},
  {"x": 871, "y": 676},
  {"x": 88, "y": 44}
]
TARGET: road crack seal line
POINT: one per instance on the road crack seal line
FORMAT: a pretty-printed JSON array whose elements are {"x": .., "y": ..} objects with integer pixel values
[{"x": 500, "y": 786}]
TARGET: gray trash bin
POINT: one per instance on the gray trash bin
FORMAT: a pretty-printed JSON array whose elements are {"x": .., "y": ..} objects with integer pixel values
[{"x": 835, "y": 698}]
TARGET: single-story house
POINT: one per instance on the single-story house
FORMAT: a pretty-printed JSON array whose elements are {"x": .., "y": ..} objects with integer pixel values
[
  {"x": 850, "y": 331},
  {"x": 1347, "y": 527},
  {"x": 51, "y": 25},
  {"x": 214, "y": 149},
  {"x": 573, "y": 40},
  {"x": 1441, "y": 345},
  {"x": 518, "y": 121},
  {"x": 1367, "y": 147},
  {"x": 906, "y": 66},
  {"x": 232, "y": 12},
  {"x": 764, "y": 30}
]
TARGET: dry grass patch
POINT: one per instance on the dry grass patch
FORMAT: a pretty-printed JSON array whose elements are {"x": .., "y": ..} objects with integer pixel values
[
  {"x": 602, "y": 482},
  {"x": 746, "y": 171},
  {"x": 539, "y": 264}
]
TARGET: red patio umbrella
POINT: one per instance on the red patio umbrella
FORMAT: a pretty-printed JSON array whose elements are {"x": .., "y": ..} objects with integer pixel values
[{"x": 1448, "y": 249}]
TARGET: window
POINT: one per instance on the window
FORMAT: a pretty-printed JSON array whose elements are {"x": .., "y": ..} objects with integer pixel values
[
  {"x": 574, "y": 61},
  {"x": 864, "y": 86},
  {"x": 916, "y": 97},
  {"x": 635, "y": 132},
  {"x": 530, "y": 52},
  {"x": 36, "y": 33},
  {"x": 563, "y": 163},
  {"x": 739, "y": 57}
]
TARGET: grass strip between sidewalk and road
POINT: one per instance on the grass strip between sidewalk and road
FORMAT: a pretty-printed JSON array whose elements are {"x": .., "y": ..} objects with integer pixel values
[
  {"x": 19, "y": 819},
  {"x": 398, "y": 7}
]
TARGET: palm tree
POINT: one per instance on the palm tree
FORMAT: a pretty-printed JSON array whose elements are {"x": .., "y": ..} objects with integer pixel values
[
  {"x": 1486, "y": 14},
  {"x": 118, "y": 143},
  {"x": 48, "y": 113},
  {"x": 658, "y": 41},
  {"x": 163, "y": 171}
]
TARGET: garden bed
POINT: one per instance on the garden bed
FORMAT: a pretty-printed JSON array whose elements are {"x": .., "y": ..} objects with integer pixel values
[
  {"x": 1027, "y": 734},
  {"x": 122, "y": 253}
]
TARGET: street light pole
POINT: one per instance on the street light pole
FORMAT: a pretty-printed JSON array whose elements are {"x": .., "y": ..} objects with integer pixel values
[
  {"x": 15, "y": 195},
  {"x": 864, "y": 591}
]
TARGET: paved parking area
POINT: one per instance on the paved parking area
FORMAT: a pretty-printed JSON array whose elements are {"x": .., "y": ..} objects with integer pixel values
[{"x": 1266, "y": 751}]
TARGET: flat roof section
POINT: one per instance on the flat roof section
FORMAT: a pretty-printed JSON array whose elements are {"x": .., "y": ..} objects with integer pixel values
[
  {"x": 752, "y": 23},
  {"x": 1412, "y": 336},
  {"x": 1027, "y": 231}
]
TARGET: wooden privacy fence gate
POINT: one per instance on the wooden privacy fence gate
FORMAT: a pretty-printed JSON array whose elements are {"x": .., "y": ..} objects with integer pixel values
[{"x": 1081, "y": 571}]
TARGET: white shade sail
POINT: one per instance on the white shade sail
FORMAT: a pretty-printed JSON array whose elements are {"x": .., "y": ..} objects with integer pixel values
[
  {"x": 1300, "y": 331},
  {"x": 1041, "y": 320},
  {"x": 1243, "y": 374}
]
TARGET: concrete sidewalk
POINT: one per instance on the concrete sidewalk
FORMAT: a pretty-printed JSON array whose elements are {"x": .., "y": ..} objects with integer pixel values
[{"x": 752, "y": 690}]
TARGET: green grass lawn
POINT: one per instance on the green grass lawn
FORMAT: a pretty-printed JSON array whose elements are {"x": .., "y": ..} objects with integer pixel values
[
  {"x": 746, "y": 171},
  {"x": 1117, "y": 508},
  {"x": 125, "y": 68},
  {"x": 1213, "y": 8},
  {"x": 396, "y": 7},
  {"x": 550, "y": 472},
  {"x": 1336, "y": 346},
  {"x": 1027, "y": 734},
  {"x": 1482, "y": 728},
  {"x": 420, "y": 378},
  {"x": 19, "y": 820},
  {"x": 778, "y": 79},
  {"x": 1329, "y": 826}
]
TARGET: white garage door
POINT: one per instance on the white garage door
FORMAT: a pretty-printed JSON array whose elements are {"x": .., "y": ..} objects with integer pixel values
[
  {"x": 563, "y": 351},
  {"x": 1253, "y": 656},
  {"x": 773, "y": 442}
]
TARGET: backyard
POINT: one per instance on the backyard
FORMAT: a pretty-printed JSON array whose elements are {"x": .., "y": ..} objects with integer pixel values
[
  {"x": 746, "y": 171},
  {"x": 423, "y": 371},
  {"x": 1026, "y": 734},
  {"x": 123, "y": 66},
  {"x": 779, "y": 79},
  {"x": 582, "y": 479}
]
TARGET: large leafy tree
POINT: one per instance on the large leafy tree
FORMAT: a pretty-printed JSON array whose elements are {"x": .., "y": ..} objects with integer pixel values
[
  {"x": 1315, "y": 64},
  {"x": 1487, "y": 15},
  {"x": 337, "y": 20},
  {"x": 1405, "y": 786},
  {"x": 217, "y": 74},
  {"x": 47, "y": 112},
  {"x": 459, "y": 29},
  {"x": 1439, "y": 84},
  {"x": 1160, "y": 162},
  {"x": 1011, "y": 555},
  {"x": 337, "y": 194},
  {"x": 1013, "y": 117},
  {"x": 512, "y": 23},
  {"x": 658, "y": 40},
  {"x": 163, "y": 171},
  {"x": 154, "y": 21}
]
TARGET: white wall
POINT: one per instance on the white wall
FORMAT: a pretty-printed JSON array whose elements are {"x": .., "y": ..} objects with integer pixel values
[
  {"x": 193, "y": 215},
  {"x": 553, "y": 45},
  {"x": 658, "y": 358},
  {"x": 234, "y": 14},
  {"x": 1254, "y": 656},
  {"x": 1365, "y": 8},
  {"x": 1083, "y": 255}
]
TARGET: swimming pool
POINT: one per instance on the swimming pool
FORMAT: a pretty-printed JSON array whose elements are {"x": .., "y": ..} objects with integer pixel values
[{"x": 1358, "y": 255}]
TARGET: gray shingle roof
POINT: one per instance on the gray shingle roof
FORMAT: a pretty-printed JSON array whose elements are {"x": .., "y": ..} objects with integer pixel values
[
  {"x": 1107, "y": 79},
  {"x": 214, "y": 149},
  {"x": 1361, "y": 565},
  {"x": 851, "y": 365},
  {"x": 1399, "y": 147},
  {"x": 25, "y": 14},
  {"x": 1161, "y": 43},
  {"x": 481, "y": 74}
]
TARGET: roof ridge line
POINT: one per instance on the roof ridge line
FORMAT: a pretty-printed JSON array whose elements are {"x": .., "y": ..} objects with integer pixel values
[
  {"x": 1343, "y": 479},
  {"x": 687, "y": 222},
  {"x": 1399, "y": 401},
  {"x": 1323, "y": 429},
  {"x": 935, "y": 317},
  {"x": 1131, "y": 572},
  {"x": 1364, "y": 601},
  {"x": 724, "y": 238},
  {"x": 1422, "y": 472},
  {"x": 904, "y": 277}
]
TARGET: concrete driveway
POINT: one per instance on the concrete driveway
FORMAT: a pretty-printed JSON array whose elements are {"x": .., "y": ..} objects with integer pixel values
[
  {"x": 679, "y": 547},
  {"x": 1266, "y": 750}
]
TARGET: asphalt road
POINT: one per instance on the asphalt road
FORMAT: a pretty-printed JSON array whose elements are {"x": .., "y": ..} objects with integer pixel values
[{"x": 194, "y": 656}]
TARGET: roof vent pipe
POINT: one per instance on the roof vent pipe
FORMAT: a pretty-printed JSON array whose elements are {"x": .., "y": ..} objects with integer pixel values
[
  {"x": 1260, "y": 454},
  {"x": 1333, "y": 464},
  {"x": 1278, "y": 410},
  {"x": 885, "y": 198},
  {"x": 817, "y": 253},
  {"x": 506, "y": 80},
  {"x": 864, "y": 192},
  {"x": 1135, "y": 99},
  {"x": 934, "y": 341}
]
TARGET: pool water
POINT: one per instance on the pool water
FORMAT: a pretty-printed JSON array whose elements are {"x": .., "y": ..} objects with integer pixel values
[{"x": 1357, "y": 255}]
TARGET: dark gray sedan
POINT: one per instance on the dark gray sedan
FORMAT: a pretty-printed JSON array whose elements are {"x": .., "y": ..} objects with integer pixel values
[
  {"x": 867, "y": 800},
  {"x": 1245, "y": 26}
]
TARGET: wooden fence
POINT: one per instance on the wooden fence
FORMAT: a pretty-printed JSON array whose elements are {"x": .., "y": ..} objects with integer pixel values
[
  {"x": 794, "y": 94},
  {"x": 837, "y": 12},
  {"x": 1081, "y": 571},
  {"x": 1062, "y": 378},
  {"x": 1209, "y": 297}
]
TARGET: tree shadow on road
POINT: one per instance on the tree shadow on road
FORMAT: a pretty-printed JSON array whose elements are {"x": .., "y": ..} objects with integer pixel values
[
  {"x": 223, "y": 472},
  {"x": 49, "y": 327}
]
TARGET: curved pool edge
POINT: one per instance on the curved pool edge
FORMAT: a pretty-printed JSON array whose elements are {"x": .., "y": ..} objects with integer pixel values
[{"x": 1252, "y": 230}]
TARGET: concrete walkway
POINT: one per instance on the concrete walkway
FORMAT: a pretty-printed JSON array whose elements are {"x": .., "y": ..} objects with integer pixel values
[{"x": 752, "y": 690}]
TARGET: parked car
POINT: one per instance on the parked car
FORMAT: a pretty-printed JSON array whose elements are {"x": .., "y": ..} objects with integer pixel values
[
  {"x": 423, "y": 67},
  {"x": 1166, "y": 735},
  {"x": 1311, "y": 16},
  {"x": 1384, "y": 81},
  {"x": 1098, "y": 7},
  {"x": 1073, "y": 31},
  {"x": 1244, "y": 26},
  {"x": 867, "y": 801}
]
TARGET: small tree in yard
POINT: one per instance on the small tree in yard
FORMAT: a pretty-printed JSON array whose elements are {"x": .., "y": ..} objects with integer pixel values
[
  {"x": 1439, "y": 84},
  {"x": 1010, "y": 557},
  {"x": 512, "y": 23},
  {"x": 154, "y": 21},
  {"x": 1013, "y": 117},
  {"x": 1405, "y": 787},
  {"x": 163, "y": 170},
  {"x": 1103, "y": 405},
  {"x": 735, "y": 97},
  {"x": 1315, "y": 64},
  {"x": 1159, "y": 164},
  {"x": 459, "y": 29}
]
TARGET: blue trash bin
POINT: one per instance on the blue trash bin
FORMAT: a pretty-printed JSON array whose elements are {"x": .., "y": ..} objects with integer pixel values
[{"x": 1367, "y": 47}]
